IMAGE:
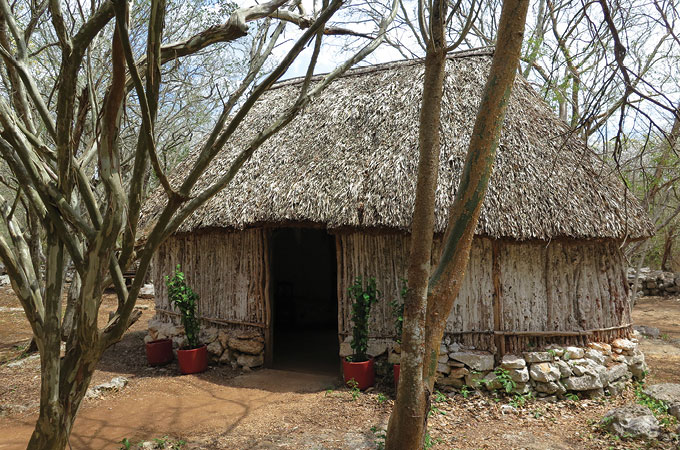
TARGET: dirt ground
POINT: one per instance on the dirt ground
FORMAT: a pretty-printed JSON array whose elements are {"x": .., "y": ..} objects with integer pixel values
[{"x": 268, "y": 409}]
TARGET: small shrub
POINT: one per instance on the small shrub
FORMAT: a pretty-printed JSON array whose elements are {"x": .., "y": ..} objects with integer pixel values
[
  {"x": 185, "y": 299},
  {"x": 364, "y": 298}
]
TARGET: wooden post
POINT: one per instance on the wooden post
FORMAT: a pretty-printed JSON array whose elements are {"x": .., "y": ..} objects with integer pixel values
[
  {"x": 268, "y": 312},
  {"x": 499, "y": 340}
]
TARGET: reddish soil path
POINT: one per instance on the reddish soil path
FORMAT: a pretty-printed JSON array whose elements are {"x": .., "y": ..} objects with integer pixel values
[{"x": 201, "y": 408}]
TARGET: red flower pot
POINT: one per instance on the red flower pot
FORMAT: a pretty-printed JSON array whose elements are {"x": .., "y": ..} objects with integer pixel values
[
  {"x": 397, "y": 369},
  {"x": 361, "y": 372},
  {"x": 159, "y": 352},
  {"x": 194, "y": 360}
]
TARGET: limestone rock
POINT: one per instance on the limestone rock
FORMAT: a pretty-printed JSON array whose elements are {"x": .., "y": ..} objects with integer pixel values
[
  {"x": 557, "y": 350},
  {"x": 583, "y": 383},
  {"x": 669, "y": 393},
  {"x": 223, "y": 337},
  {"x": 595, "y": 355},
  {"x": 550, "y": 388},
  {"x": 226, "y": 357},
  {"x": 519, "y": 375},
  {"x": 148, "y": 338},
  {"x": 208, "y": 335},
  {"x": 537, "y": 357},
  {"x": 491, "y": 382},
  {"x": 513, "y": 362},
  {"x": 652, "y": 332},
  {"x": 601, "y": 347},
  {"x": 624, "y": 344},
  {"x": 565, "y": 370},
  {"x": 632, "y": 420},
  {"x": 618, "y": 358},
  {"x": 459, "y": 372},
  {"x": 443, "y": 359},
  {"x": 454, "y": 347},
  {"x": 146, "y": 291},
  {"x": 250, "y": 361},
  {"x": 453, "y": 382},
  {"x": 616, "y": 387},
  {"x": 574, "y": 352},
  {"x": 257, "y": 335},
  {"x": 443, "y": 368},
  {"x": 481, "y": 361},
  {"x": 377, "y": 347},
  {"x": 473, "y": 379},
  {"x": 639, "y": 370},
  {"x": 215, "y": 349},
  {"x": 544, "y": 372},
  {"x": 615, "y": 372},
  {"x": 250, "y": 346}
]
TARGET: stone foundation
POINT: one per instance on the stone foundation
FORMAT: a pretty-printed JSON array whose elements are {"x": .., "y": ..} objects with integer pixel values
[
  {"x": 655, "y": 282},
  {"x": 549, "y": 373},
  {"x": 239, "y": 348}
]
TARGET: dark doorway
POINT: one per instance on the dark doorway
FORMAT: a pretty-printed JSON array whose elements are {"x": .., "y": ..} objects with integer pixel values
[{"x": 304, "y": 290}]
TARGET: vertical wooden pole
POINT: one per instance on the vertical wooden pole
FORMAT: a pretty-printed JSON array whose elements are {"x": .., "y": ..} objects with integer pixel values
[
  {"x": 499, "y": 340},
  {"x": 268, "y": 311}
]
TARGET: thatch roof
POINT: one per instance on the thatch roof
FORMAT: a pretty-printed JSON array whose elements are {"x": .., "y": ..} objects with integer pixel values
[{"x": 350, "y": 158}]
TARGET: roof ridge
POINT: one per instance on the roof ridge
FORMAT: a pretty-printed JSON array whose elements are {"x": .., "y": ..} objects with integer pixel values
[{"x": 480, "y": 51}]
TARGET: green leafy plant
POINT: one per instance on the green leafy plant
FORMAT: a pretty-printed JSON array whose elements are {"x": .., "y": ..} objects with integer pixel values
[
  {"x": 504, "y": 378},
  {"x": 185, "y": 299},
  {"x": 364, "y": 298},
  {"x": 658, "y": 408},
  {"x": 430, "y": 441},
  {"x": 571, "y": 396},
  {"x": 439, "y": 397},
  {"x": 380, "y": 436},
  {"x": 398, "y": 310},
  {"x": 125, "y": 444},
  {"x": 354, "y": 389},
  {"x": 381, "y": 398},
  {"x": 465, "y": 391},
  {"x": 519, "y": 400}
]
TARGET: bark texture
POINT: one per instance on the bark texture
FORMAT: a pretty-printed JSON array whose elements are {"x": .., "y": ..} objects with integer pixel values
[{"x": 423, "y": 334}]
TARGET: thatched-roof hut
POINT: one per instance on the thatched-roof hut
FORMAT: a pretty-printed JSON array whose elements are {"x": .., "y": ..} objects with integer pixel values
[{"x": 330, "y": 198}]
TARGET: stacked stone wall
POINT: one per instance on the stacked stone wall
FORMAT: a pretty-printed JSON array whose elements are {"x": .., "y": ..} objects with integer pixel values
[
  {"x": 237, "y": 347},
  {"x": 655, "y": 282}
]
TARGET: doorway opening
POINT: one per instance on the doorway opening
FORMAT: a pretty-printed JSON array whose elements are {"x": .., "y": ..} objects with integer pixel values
[{"x": 305, "y": 304}]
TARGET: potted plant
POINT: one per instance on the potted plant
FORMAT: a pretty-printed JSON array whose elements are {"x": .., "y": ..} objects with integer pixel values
[
  {"x": 398, "y": 312},
  {"x": 194, "y": 357},
  {"x": 359, "y": 366},
  {"x": 159, "y": 352}
]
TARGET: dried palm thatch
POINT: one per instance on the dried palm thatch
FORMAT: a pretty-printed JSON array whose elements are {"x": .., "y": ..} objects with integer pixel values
[{"x": 350, "y": 159}]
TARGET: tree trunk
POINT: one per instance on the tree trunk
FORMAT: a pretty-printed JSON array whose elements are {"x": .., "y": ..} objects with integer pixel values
[{"x": 407, "y": 424}]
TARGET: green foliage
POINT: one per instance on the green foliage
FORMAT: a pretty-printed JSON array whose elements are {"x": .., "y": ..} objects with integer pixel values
[
  {"x": 430, "y": 442},
  {"x": 125, "y": 444},
  {"x": 354, "y": 389},
  {"x": 381, "y": 398},
  {"x": 398, "y": 309},
  {"x": 439, "y": 397},
  {"x": 364, "y": 298},
  {"x": 519, "y": 400},
  {"x": 658, "y": 408},
  {"x": 380, "y": 436},
  {"x": 185, "y": 299},
  {"x": 465, "y": 391},
  {"x": 571, "y": 396},
  {"x": 506, "y": 381}
]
